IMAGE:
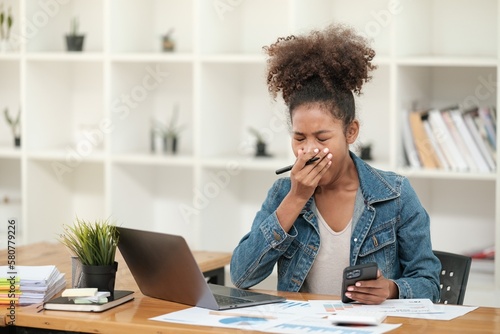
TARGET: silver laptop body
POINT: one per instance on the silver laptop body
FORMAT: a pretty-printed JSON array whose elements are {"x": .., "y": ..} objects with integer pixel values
[{"x": 164, "y": 267}]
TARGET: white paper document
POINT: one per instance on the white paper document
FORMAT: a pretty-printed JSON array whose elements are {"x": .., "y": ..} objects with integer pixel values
[
  {"x": 408, "y": 308},
  {"x": 298, "y": 317},
  {"x": 287, "y": 317}
]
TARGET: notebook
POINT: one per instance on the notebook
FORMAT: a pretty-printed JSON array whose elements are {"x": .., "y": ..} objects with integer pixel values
[
  {"x": 164, "y": 267},
  {"x": 68, "y": 303}
]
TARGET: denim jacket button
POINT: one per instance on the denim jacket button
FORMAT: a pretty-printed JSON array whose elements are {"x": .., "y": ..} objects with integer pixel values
[{"x": 355, "y": 239}]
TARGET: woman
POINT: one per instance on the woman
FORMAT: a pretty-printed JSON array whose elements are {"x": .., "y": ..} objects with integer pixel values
[{"x": 337, "y": 211}]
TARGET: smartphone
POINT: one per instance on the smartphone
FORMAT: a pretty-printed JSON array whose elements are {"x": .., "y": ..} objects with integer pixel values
[{"x": 360, "y": 272}]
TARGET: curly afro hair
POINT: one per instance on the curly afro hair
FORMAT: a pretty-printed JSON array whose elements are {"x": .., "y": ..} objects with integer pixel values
[{"x": 325, "y": 67}]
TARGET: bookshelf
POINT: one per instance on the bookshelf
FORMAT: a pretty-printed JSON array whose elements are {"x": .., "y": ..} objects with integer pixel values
[{"x": 86, "y": 116}]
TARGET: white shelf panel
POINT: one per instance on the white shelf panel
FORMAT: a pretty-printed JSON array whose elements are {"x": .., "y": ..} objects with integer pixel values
[
  {"x": 66, "y": 56},
  {"x": 247, "y": 163},
  {"x": 153, "y": 57},
  {"x": 71, "y": 156},
  {"x": 154, "y": 159},
  {"x": 444, "y": 175},
  {"x": 234, "y": 58},
  {"x": 448, "y": 61},
  {"x": 10, "y": 153},
  {"x": 10, "y": 56}
]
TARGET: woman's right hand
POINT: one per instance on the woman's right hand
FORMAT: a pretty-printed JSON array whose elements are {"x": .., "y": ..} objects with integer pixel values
[{"x": 305, "y": 178}]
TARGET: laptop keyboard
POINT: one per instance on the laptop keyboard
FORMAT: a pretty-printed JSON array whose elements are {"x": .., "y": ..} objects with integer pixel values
[
  {"x": 241, "y": 293},
  {"x": 226, "y": 300}
]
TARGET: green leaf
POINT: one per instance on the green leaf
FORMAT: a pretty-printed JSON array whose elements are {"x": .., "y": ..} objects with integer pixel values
[{"x": 94, "y": 243}]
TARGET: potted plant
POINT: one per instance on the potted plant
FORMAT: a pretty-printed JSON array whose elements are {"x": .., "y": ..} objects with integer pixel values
[
  {"x": 94, "y": 244},
  {"x": 74, "y": 40},
  {"x": 15, "y": 126},
  {"x": 6, "y": 21},
  {"x": 260, "y": 145},
  {"x": 157, "y": 139},
  {"x": 366, "y": 152},
  {"x": 173, "y": 129},
  {"x": 170, "y": 132},
  {"x": 168, "y": 42}
]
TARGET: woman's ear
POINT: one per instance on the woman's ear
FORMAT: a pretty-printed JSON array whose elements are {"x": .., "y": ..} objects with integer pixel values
[{"x": 352, "y": 132}]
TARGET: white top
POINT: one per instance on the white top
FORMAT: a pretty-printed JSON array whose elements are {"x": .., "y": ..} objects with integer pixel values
[{"x": 325, "y": 276}]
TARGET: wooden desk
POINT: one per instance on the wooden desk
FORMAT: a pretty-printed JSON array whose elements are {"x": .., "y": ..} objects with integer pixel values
[{"x": 133, "y": 317}]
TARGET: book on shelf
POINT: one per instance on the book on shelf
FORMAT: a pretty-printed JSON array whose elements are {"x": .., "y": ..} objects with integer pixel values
[
  {"x": 451, "y": 139},
  {"x": 445, "y": 138},
  {"x": 487, "y": 253},
  {"x": 470, "y": 118},
  {"x": 408, "y": 142},
  {"x": 485, "y": 114},
  {"x": 423, "y": 146},
  {"x": 459, "y": 140},
  {"x": 436, "y": 145},
  {"x": 479, "y": 160}
]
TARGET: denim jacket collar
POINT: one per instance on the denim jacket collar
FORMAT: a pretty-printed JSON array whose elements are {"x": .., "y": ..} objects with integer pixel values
[{"x": 374, "y": 187}]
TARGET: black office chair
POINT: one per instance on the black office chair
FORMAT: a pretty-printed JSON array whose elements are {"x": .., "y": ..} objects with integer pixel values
[{"x": 454, "y": 276}]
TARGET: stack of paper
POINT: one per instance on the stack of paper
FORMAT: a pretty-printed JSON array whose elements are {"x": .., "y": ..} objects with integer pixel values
[
  {"x": 9, "y": 291},
  {"x": 32, "y": 284}
]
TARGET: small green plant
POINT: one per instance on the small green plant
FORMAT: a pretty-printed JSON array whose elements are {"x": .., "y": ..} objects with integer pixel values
[
  {"x": 171, "y": 129},
  {"x": 6, "y": 21},
  {"x": 15, "y": 124},
  {"x": 94, "y": 243},
  {"x": 169, "y": 33},
  {"x": 257, "y": 134},
  {"x": 74, "y": 26}
]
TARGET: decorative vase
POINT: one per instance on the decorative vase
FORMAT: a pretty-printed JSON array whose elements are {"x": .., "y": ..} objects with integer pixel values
[
  {"x": 74, "y": 42},
  {"x": 157, "y": 142},
  {"x": 168, "y": 44},
  {"x": 366, "y": 153},
  {"x": 100, "y": 277},
  {"x": 77, "y": 280},
  {"x": 174, "y": 145},
  {"x": 261, "y": 150},
  {"x": 165, "y": 142}
]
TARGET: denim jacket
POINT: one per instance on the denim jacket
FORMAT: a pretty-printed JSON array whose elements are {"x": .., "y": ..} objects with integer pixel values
[{"x": 390, "y": 227}]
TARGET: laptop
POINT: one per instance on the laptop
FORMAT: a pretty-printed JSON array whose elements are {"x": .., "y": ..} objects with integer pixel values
[{"x": 164, "y": 267}]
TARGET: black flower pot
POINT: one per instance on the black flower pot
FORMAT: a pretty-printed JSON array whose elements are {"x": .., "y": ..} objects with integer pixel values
[
  {"x": 366, "y": 153},
  {"x": 100, "y": 277},
  {"x": 174, "y": 145},
  {"x": 74, "y": 42},
  {"x": 168, "y": 44},
  {"x": 261, "y": 150}
]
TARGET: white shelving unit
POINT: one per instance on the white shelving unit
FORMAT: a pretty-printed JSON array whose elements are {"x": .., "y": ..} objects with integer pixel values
[{"x": 86, "y": 116}]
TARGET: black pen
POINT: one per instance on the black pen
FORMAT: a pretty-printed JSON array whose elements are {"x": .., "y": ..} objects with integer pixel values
[{"x": 289, "y": 168}]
